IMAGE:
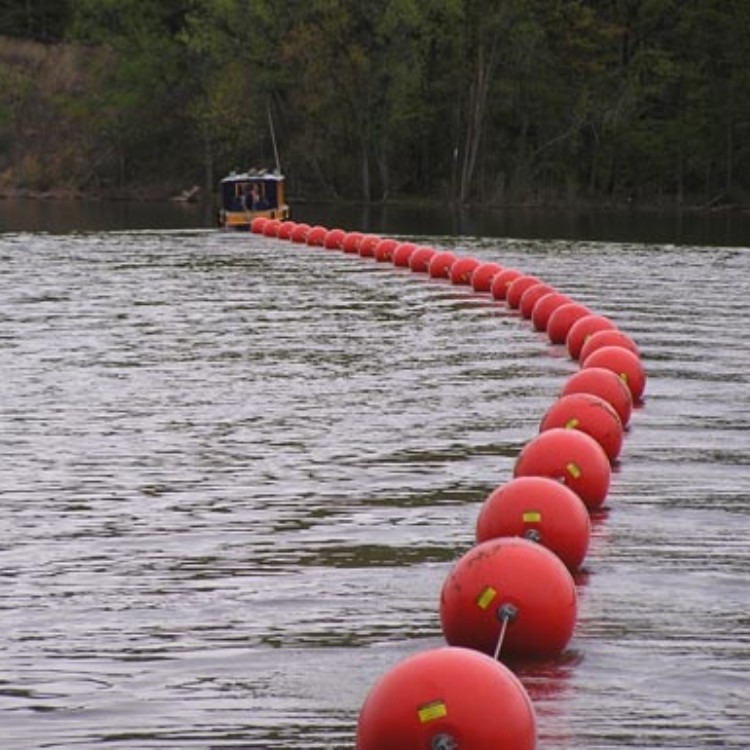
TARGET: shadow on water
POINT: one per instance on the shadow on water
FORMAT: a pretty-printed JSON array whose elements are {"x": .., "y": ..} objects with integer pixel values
[
  {"x": 668, "y": 227},
  {"x": 657, "y": 227}
]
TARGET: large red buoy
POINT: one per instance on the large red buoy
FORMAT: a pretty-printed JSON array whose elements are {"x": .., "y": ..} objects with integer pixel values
[
  {"x": 590, "y": 414},
  {"x": 447, "y": 699},
  {"x": 531, "y": 296},
  {"x": 402, "y": 253},
  {"x": 350, "y": 243},
  {"x": 561, "y": 320},
  {"x": 511, "y": 587},
  {"x": 316, "y": 236},
  {"x": 383, "y": 252},
  {"x": 271, "y": 227},
  {"x": 462, "y": 269},
  {"x": 300, "y": 232},
  {"x": 368, "y": 244},
  {"x": 333, "y": 239},
  {"x": 605, "y": 384},
  {"x": 571, "y": 457},
  {"x": 257, "y": 224},
  {"x": 612, "y": 337},
  {"x": 545, "y": 306},
  {"x": 542, "y": 510},
  {"x": 623, "y": 363},
  {"x": 481, "y": 278},
  {"x": 501, "y": 282},
  {"x": 517, "y": 287},
  {"x": 582, "y": 329},
  {"x": 440, "y": 265},
  {"x": 419, "y": 260},
  {"x": 286, "y": 229}
]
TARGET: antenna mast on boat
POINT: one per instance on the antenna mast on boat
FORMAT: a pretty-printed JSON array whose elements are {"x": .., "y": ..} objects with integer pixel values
[{"x": 273, "y": 139}]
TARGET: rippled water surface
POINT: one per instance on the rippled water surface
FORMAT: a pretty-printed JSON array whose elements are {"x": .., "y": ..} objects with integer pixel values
[{"x": 236, "y": 471}]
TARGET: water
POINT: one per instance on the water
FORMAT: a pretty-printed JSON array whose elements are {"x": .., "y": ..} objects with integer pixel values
[
  {"x": 725, "y": 229},
  {"x": 236, "y": 472}
]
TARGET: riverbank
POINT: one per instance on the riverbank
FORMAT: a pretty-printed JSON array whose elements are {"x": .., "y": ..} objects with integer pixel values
[
  {"x": 194, "y": 194},
  {"x": 156, "y": 193}
]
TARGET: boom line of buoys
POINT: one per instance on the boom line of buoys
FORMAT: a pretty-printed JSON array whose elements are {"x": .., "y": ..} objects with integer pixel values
[{"x": 512, "y": 595}]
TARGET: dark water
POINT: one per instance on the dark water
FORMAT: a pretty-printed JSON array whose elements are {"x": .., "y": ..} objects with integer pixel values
[
  {"x": 724, "y": 229},
  {"x": 236, "y": 471}
]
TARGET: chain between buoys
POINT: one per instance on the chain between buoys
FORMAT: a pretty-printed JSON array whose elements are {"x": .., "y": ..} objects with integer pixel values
[{"x": 506, "y": 613}]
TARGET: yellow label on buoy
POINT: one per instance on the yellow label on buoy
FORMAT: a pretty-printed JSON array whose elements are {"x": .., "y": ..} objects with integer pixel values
[
  {"x": 532, "y": 516},
  {"x": 571, "y": 424},
  {"x": 431, "y": 711},
  {"x": 485, "y": 598},
  {"x": 573, "y": 470}
]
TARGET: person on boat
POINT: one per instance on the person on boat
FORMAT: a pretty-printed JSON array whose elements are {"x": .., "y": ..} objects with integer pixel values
[{"x": 252, "y": 197}]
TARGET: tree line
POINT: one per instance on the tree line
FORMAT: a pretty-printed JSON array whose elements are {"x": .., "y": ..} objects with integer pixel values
[{"x": 472, "y": 101}]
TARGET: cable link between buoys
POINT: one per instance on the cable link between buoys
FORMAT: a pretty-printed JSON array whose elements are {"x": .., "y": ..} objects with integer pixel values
[{"x": 506, "y": 613}]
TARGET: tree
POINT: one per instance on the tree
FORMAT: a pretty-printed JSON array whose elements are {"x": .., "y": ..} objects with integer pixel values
[
  {"x": 141, "y": 85},
  {"x": 41, "y": 20}
]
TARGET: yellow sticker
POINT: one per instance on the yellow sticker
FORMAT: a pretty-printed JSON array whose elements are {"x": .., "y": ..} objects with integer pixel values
[
  {"x": 624, "y": 377},
  {"x": 573, "y": 470},
  {"x": 532, "y": 516},
  {"x": 485, "y": 598},
  {"x": 571, "y": 424},
  {"x": 431, "y": 711}
]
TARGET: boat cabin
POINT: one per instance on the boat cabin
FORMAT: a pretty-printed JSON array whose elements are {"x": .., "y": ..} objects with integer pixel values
[{"x": 245, "y": 195}]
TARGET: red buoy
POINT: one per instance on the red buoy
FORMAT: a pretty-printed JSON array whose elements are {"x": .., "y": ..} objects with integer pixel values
[
  {"x": 440, "y": 265},
  {"x": 368, "y": 244},
  {"x": 612, "y": 337},
  {"x": 286, "y": 229},
  {"x": 257, "y": 224},
  {"x": 419, "y": 260},
  {"x": 501, "y": 282},
  {"x": 511, "y": 587},
  {"x": 605, "y": 384},
  {"x": 545, "y": 306},
  {"x": 300, "y": 232},
  {"x": 590, "y": 414},
  {"x": 383, "y": 252},
  {"x": 571, "y": 457},
  {"x": 333, "y": 239},
  {"x": 542, "y": 510},
  {"x": 271, "y": 227},
  {"x": 481, "y": 277},
  {"x": 462, "y": 269},
  {"x": 582, "y": 329},
  {"x": 623, "y": 363},
  {"x": 316, "y": 236},
  {"x": 350, "y": 243},
  {"x": 447, "y": 699},
  {"x": 402, "y": 253},
  {"x": 531, "y": 296},
  {"x": 517, "y": 287},
  {"x": 561, "y": 320}
]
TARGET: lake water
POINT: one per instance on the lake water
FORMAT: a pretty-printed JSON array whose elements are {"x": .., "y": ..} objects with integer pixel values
[{"x": 236, "y": 471}]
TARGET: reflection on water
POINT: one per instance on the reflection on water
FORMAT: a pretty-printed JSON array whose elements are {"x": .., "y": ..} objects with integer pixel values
[
  {"x": 236, "y": 472},
  {"x": 662, "y": 227}
]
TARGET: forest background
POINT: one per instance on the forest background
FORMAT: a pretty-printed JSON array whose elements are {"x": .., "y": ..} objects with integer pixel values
[{"x": 492, "y": 102}]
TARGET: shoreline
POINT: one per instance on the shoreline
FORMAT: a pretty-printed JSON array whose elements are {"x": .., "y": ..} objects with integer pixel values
[{"x": 195, "y": 195}]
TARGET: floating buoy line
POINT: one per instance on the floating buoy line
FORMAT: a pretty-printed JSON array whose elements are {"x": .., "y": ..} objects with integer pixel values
[{"x": 512, "y": 595}]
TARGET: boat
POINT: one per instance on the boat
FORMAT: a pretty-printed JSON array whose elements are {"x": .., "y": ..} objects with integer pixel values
[{"x": 246, "y": 195}]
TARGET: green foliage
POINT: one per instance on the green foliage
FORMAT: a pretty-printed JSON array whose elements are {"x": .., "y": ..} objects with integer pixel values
[
  {"x": 471, "y": 100},
  {"x": 43, "y": 20}
]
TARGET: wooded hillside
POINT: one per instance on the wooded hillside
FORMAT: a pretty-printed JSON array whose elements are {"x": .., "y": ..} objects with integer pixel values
[{"x": 477, "y": 101}]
